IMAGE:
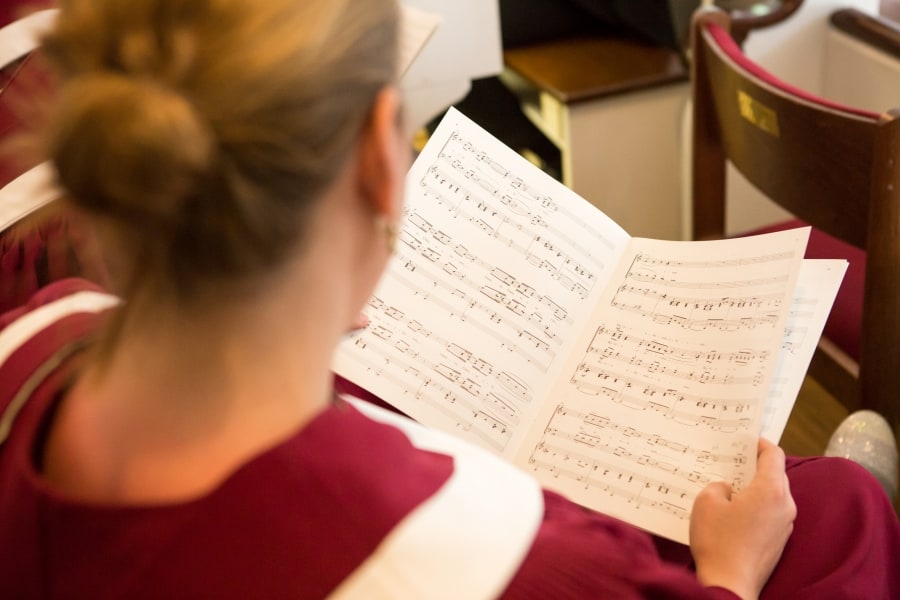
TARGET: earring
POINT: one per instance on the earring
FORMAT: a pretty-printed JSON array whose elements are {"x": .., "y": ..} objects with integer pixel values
[{"x": 391, "y": 233}]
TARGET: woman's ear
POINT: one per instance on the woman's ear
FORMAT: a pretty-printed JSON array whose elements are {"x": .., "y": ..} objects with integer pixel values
[{"x": 383, "y": 156}]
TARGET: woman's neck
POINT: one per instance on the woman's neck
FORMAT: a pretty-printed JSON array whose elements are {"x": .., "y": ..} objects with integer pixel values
[{"x": 185, "y": 400}]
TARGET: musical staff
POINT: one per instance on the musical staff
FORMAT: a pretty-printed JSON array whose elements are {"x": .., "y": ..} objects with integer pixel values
[
  {"x": 660, "y": 281},
  {"x": 619, "y": 361},
  {"x": 639, "y": 468}
]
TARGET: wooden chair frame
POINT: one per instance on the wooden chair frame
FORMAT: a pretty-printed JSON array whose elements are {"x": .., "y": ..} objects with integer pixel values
[{"x": 834, "y": 167}]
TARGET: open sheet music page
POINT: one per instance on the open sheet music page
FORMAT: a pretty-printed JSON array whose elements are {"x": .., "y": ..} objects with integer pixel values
[
  {"x": 665, "y": 389},
  {"x": 497, "y": 269},
  {"x": 624, "y": 372}
]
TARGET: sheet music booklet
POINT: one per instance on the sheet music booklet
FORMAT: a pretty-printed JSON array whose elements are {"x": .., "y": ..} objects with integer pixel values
[{"x": 625, "y": 373}]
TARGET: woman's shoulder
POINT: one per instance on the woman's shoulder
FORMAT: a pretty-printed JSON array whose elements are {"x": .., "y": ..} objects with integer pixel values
[{"x": 57, "y": 316}]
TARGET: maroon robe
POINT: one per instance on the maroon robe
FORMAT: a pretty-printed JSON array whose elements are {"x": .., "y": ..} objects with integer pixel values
[{"x": 312, "y": 512}]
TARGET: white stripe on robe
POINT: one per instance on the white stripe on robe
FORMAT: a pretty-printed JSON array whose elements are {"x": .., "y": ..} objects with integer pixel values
[{"x": 466, "y": 541}]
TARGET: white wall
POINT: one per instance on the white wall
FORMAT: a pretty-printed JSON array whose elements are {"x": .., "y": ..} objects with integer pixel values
[{"x": 859, "y": 75}]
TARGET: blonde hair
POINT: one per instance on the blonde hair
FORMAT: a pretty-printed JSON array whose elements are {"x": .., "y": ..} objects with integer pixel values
[{"x": 200, "y": 132}]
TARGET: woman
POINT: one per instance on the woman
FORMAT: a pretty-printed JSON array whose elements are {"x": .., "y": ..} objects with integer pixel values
[{"x": 242, "y": 163}]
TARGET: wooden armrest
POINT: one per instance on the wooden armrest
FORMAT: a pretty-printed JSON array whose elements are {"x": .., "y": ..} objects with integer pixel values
[
  {"x": 748, "y": 15},
  {"x": 877, "y": 32}
]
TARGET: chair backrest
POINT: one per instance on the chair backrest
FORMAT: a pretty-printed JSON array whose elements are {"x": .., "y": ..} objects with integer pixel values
[
  {"x": 832, "y": 166},
  {"x": 25, "y": 187},
  {"x": 40, "y": 241}
]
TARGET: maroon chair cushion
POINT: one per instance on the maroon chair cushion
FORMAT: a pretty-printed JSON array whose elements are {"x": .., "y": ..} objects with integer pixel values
[{"x": 845, "y": 321}]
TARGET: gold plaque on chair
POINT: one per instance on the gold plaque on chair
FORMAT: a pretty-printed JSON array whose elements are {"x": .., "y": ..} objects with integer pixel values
[{"x": 758, "y": 113}]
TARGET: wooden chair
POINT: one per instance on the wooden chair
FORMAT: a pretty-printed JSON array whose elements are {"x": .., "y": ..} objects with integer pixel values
[
  {"x": 40, "y": 241},
  {"x": 833, "y": 167}
]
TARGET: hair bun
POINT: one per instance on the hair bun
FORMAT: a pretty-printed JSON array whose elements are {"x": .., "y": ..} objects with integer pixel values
[{"x": 128, "y": 147}]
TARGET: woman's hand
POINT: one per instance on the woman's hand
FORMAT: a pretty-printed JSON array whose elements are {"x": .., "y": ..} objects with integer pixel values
[{"x": 737, "y": 538}]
